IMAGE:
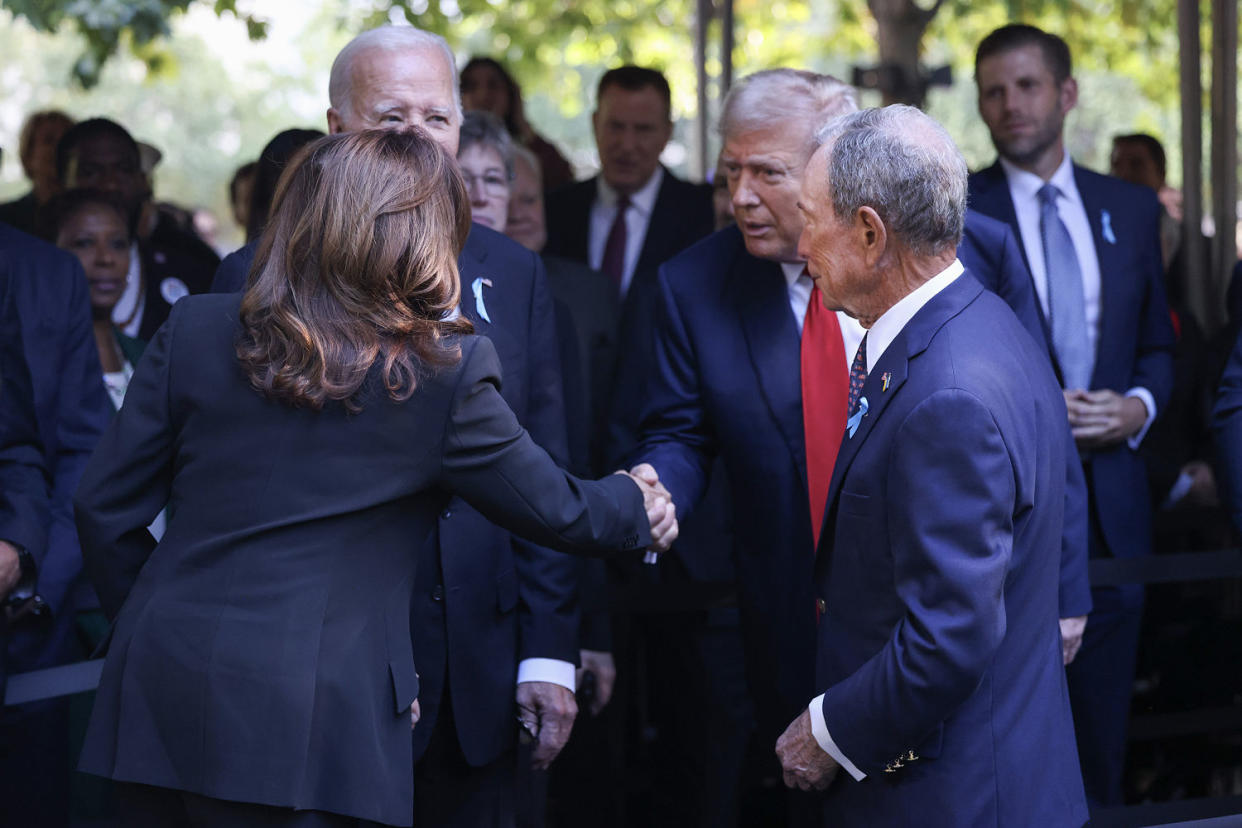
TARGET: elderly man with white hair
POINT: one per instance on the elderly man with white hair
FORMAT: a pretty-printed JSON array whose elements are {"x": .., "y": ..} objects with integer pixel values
[
  {"x": 750, "y": 367},
  {"x": 936, "y": 574},
  {"x": 492, "y": 615}
]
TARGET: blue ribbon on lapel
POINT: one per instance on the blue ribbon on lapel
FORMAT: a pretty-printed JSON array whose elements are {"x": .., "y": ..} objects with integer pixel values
[
  {"x": 477, "y": 288},
  {"x": 851, "y": 425}
]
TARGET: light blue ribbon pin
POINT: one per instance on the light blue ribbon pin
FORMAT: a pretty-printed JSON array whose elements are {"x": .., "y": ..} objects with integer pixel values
[
  {"x": 851, "y": 425},
  {"x": 1106, "y": 222},
  {"x": 476, "y": 287}
]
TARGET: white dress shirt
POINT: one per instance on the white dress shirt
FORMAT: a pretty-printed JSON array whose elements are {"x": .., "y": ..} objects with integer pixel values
[
  {"x": 800, "y": 286},
  {"x": 637, "y": 219},
  {"x": 879, "y": 337},
  {"x": 1024, "y": 191}
]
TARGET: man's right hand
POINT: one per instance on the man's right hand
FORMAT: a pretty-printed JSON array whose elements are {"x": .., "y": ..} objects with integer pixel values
[
  {"x": 10, "y": 568},
  {"x": 661, "y": 512}
]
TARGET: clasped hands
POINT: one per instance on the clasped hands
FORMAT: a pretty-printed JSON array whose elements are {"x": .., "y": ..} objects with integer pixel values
[{"x": 661, "y": 512}]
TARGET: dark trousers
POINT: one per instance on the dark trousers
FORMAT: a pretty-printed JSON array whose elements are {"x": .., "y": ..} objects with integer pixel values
[
  {"x": 1101, "y": 680},
  {"x": 34, "y": 765},
  {"x": 144, "y": 806},
  {"x": 450, "y": 793}
]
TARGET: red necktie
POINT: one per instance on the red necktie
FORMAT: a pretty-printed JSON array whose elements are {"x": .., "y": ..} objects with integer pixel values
[
  {"x": 825, "y": 390},
  {"x": 613, "y": 263}
]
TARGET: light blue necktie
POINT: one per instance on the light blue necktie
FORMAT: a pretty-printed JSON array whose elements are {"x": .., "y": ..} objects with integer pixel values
[{"x": 1066, "y": 305}]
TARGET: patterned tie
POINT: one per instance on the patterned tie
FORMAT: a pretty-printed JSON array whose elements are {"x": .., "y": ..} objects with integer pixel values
[
  {"x": 1066, "y": 306},
  {"x": 823, "y": 401},
  {"x": 613, "y": 264},
  {"x": 858, "y": 375}
]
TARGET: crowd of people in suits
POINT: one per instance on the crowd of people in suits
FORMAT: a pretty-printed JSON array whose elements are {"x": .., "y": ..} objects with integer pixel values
[{"x": 911, "y": 602}]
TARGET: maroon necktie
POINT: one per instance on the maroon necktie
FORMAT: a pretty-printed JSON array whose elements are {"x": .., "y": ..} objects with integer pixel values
[
  {"x": 825, "y": 385},
  {"x": 613, "y": 264}
]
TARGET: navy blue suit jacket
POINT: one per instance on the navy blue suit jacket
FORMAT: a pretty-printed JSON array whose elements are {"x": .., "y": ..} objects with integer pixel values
[
  {"x": 1227, "y": 426},
  {"x": 49, "y": 295},
  {"x": 938, "y": 581},
  {"x": 1135, "y": 344},
  {"x": 725, "y": 383},
  {"x": 497, "y": 598}
]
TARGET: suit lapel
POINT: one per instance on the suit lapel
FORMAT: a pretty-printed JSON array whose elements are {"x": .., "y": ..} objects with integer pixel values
[
  {"x": 762, "y": 301},
  {"x": 1106, "y": 253},
  {"x": 661, "y": 229},
  {"x": 895, "y": 363}
]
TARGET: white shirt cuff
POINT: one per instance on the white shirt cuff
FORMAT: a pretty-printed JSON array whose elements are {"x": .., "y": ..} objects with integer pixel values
[
  {"x": 551, "y": 670},
  {"x": 1149, "y": 401},
  {"x": 819, "y": 728}
]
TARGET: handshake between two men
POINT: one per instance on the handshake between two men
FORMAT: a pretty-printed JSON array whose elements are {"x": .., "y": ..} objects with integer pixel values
[{"x": 661, "y": 511}]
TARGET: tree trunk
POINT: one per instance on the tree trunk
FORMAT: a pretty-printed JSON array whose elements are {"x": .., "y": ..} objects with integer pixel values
[{"x": 900, "y": 25}]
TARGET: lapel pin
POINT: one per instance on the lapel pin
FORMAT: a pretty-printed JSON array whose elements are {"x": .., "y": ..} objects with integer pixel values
[
  {"x": 1106, "y": 227},
  {"x": 888, "y": 375},
  {"x": 476, "y": 287}
]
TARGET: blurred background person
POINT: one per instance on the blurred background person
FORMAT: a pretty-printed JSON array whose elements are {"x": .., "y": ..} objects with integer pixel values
[
  {"x": 241, "y": 185},
  {"x": 487, "y": 86},
  {"x": 277, "y": 153},
  {"x": 37, "y": 150},
  {"x": 485, "y": 157},
  {"x": 170, "y": 262}
]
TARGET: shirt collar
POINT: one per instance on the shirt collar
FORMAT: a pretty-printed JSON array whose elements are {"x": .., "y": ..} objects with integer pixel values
[
  {"x": 892, "y": 321},
  {"x": 1024, "y": 184},
  {"x": 793, "y": 271},
  {"x": 643, "y": 199}
]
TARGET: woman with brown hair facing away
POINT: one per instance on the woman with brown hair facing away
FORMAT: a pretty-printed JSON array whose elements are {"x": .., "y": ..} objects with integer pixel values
[{"x": 260, "y": 669}]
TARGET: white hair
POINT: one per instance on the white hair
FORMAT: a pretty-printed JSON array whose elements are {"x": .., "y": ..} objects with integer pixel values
[
  {"x": 777, "y": 97},
  {"x": 385, "y": 39}
]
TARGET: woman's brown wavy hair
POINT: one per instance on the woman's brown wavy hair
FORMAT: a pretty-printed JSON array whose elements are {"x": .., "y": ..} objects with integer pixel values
[{"x": 357, "y": 266}]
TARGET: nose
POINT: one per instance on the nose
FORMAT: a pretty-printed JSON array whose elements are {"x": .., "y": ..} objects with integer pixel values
[
  {"x": 105, "y": 256},
  {"x": 475, "y": 187},
  {"x": 743, "y": 194}
]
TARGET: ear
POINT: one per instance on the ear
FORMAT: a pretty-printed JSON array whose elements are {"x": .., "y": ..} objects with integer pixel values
[
  {"x": 1069, "y": 95},
  {"x": 335, "y": 124},
  {"x": 872, "y": 235}
]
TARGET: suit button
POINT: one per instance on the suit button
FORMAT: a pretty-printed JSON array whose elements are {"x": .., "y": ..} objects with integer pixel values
[
  {"x": 446, "y": 514},
  {"x": 437, "y": 594},
  {"x": 820, "y": 604}
]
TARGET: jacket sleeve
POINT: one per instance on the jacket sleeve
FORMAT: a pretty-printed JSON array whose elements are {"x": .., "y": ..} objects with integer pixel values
[
  {"x": 129, "y": 479},
  {"x": 493, "y": 463},
  {"x": 1153, "y": 361},
  {"x": 673, "y": 433},
  {"x": 23, "y": 470},
  {"x": 1227, "y": 426}
]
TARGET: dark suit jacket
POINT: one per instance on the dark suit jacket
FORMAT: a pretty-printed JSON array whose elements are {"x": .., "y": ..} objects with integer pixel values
[
  {"x": 1135, "y": 345},
  {"x": 502, "y": 598},
  {"x": 725, "y": 383},
  {"x": 681, "y": 216},
  {"x": 49, "y": 295},
  {"x": 1227, "y": 426},
  {"x": 261, "y": 652},
  {"x": 938, "y": 581},
  {"x": 172, "y": 258}
]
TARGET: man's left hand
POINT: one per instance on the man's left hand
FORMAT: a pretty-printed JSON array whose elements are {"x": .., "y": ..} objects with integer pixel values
[
  {"x": 807, "y": 766},
  {"x": 550, "y": 711},
  {"x": 1103, "y": 418}
]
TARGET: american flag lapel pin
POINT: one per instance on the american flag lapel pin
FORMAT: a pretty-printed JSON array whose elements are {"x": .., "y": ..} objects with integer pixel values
[{"x": 887, "y": 375}]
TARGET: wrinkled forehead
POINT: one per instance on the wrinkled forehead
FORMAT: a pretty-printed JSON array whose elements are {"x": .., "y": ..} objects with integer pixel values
[{"x": 380, "y": 72}]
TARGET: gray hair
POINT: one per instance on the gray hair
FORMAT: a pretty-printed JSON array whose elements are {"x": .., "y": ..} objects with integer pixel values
[
  {"x": 485, "y": 129},
  {"x": 385, "y": 39},
  {"x": 532, "y": 160},
  {"x": 902, "y": 164},
  {"x": 775, "y": 97}
]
